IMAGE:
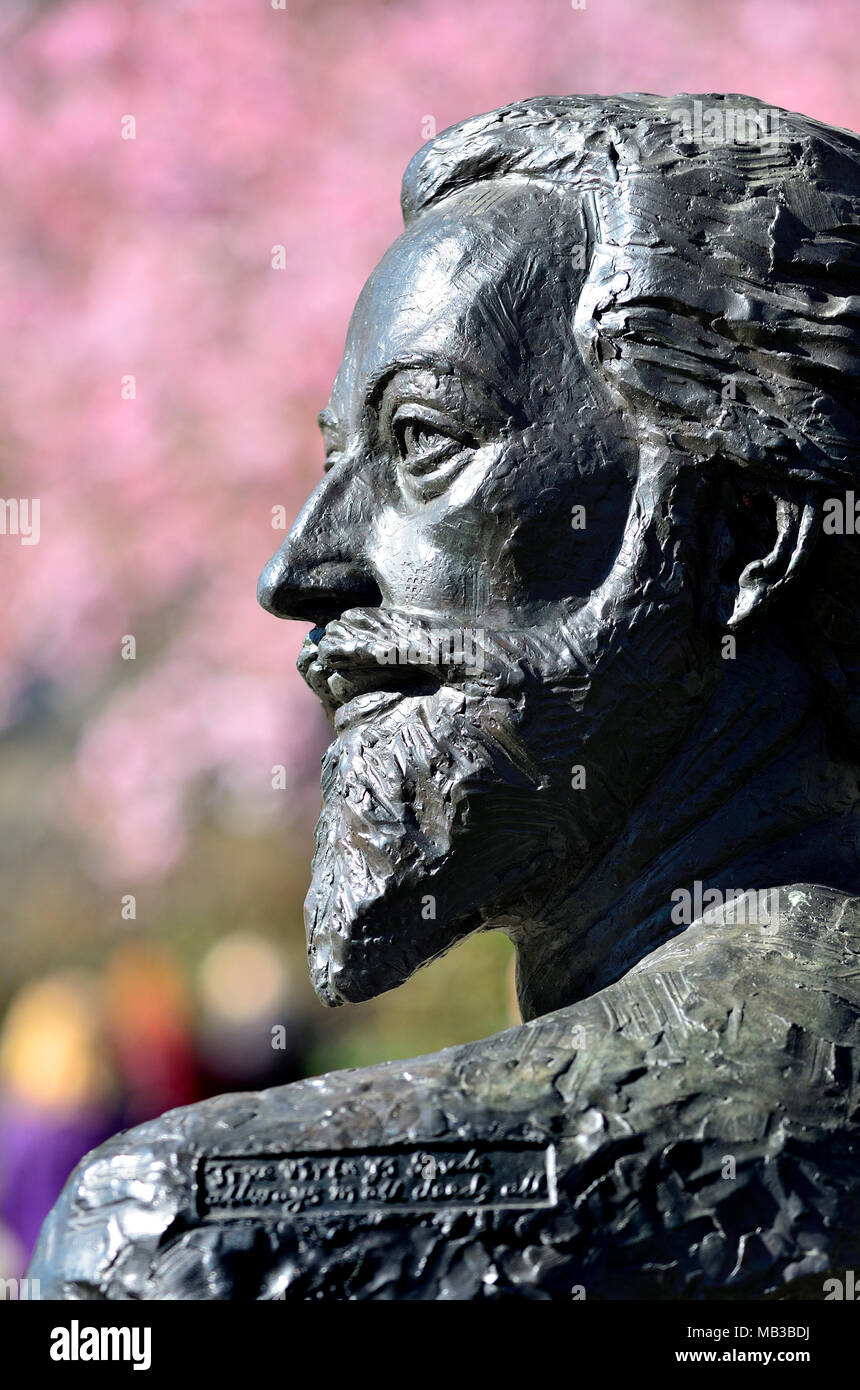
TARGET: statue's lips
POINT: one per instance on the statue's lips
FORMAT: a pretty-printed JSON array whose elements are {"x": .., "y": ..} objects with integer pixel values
[{"x": 361, "y": 687}]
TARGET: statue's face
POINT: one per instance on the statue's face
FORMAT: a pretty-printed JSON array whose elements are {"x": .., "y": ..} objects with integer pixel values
[{"x": 499, "y": 603}]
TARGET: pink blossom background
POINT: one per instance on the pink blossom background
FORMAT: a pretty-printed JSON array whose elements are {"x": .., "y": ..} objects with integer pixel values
[{"x": 255, "y": 127}]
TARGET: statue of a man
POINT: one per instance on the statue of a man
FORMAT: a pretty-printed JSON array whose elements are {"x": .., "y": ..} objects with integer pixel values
[{"x": 583, "y": 580}]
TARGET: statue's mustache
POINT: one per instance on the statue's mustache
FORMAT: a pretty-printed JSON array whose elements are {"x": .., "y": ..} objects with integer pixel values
[{"x": 390, "y": 653}]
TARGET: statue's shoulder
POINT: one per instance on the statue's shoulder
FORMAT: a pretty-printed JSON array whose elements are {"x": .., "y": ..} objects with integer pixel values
[
  {"x": 761, "y": 942},
  {"x": 717, "y": 1076}
]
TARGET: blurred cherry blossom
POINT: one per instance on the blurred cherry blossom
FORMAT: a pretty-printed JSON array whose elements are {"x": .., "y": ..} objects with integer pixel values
[{"x": 151, "y": 258}]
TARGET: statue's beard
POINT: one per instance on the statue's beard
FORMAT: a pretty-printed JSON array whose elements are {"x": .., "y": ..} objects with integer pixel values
[
  {"x": 441, "y": 800},
  {"x": 425, "y": 823}
]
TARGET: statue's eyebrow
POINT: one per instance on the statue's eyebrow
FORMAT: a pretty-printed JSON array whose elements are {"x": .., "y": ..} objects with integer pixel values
[
  {"x": 380, "y": 379},
  {"x": 466, "y": 370}
]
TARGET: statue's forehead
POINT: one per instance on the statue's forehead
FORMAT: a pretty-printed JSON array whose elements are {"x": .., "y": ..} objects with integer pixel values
[{"x": 420, "y": 300}]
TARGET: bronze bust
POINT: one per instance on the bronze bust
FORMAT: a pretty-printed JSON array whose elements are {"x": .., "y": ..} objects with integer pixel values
[{"x": 588, "y": 631}]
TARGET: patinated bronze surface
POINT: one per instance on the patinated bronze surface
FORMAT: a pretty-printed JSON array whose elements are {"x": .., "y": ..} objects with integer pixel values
[{"x": 582, "y": 579}]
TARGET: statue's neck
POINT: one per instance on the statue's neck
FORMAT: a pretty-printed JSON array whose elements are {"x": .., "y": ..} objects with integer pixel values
[{"x": 751, "y": 801}]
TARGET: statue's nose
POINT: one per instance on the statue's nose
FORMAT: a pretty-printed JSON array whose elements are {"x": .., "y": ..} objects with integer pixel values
[
  {"x": 314, "y": 594},
  {"x": 318, "y": 572}
]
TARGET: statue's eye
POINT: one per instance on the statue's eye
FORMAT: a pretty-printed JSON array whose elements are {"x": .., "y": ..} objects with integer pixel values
[
  {"x": 426, "y": 441},
  {"x": 416, "y": 439}
]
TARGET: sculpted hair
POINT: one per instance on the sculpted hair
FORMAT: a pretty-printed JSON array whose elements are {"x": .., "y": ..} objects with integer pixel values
[{"x": 721, "y": 303}]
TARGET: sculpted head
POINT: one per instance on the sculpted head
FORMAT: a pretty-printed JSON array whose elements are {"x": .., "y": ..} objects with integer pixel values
[{"x": 567, "y": 571}]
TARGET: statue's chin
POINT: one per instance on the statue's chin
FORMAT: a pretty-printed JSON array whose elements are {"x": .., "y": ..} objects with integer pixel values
[
  {"x": 356, "y": 960},
  {"x": 346, "y": 967},
  {"x": 353, "y": 981}
]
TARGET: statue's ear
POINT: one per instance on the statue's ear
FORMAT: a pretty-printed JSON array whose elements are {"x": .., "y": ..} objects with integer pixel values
[{"x": 791, "y": 534}]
